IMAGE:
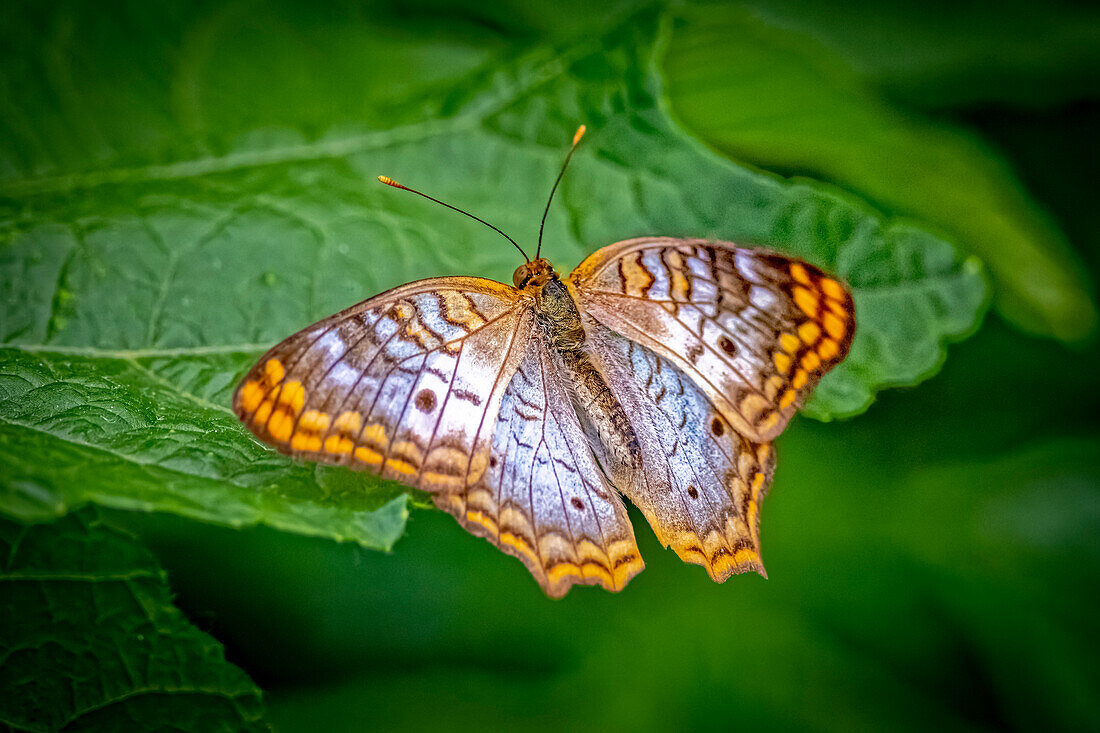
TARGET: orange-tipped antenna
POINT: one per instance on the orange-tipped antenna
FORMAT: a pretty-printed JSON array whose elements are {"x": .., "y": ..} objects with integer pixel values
[
  {"x": 390, "y": 182},
  {"x": 576, "y": 139}
]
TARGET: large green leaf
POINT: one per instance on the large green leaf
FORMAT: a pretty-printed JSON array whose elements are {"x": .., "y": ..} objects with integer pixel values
[
  {"x": 154, "y": 249},
  {"x": 782, "y": 100},
  {"x": 91, "y": 640}
]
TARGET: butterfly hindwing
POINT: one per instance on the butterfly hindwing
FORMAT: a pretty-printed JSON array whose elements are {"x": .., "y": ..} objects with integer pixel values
[
  {"x": 543, "y": 498},
  {"x": 754, "y": 329},
  {"x": 702, "y": 483},
  {"x": 405, "y": 384}
]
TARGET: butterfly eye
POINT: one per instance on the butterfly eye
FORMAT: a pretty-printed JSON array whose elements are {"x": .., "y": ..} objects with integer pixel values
[{"x": 521, "y": 275}]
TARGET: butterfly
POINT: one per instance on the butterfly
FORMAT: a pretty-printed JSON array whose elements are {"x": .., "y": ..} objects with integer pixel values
[{"x": 661, "y": 369}]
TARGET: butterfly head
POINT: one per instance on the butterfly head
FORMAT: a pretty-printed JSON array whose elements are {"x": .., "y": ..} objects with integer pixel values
[{"x": 534, "y": 274}]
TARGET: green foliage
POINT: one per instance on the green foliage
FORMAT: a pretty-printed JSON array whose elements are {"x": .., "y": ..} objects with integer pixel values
[
  {"x": 183, "y": 185},
  {"x": 818, "y": 117},
  {"x": 119, "y": 430},
  {"x": 91, "y": 640},
  {"x": 140, "y": 288},
  {"x": 932, "y": 565},
  {"x": 1022, "y": 53}
]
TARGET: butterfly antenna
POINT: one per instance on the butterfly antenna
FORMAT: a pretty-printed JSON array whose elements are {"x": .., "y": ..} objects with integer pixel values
[
  {"x": 390, "y": 182},
  {"x": 576, "y": 139}
]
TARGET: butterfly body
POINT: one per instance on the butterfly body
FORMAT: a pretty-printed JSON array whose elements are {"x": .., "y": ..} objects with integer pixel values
[
  {"x": 603, "y": 417},
  {"x": 660, "y": 369}
]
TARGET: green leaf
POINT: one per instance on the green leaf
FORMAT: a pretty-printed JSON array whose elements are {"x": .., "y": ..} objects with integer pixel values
[
  {"x": 117, "y": 430},
  {"x": 91, "y": 640},
  {"x": 141, "y": 274},
  {"x": 1025, "y": 54},
  {"x": 781, "y": 100}
]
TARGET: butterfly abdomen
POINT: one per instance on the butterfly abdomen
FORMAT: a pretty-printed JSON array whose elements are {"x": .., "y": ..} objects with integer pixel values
[{"x": 597, "y": 406}]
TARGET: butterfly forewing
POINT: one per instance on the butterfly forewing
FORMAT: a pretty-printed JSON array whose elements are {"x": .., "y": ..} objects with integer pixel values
[
  {"x": 406, "y": 384},
  {"x": 755, "y": 330}
]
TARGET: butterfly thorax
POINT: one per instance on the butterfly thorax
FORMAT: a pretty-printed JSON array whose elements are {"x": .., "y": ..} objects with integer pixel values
[
  {"x": 604, "y": 418},
  {"x": 556, "y": 309},
  {"x": 557, "y": 313}
]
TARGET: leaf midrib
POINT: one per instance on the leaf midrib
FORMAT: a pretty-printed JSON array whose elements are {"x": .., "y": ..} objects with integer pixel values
[
  {"x": 305, "y": 152},
  {"x": 473, "y": 115},
  {"x": 147, "y": 353},
  {"x": 230, "y": 695},
  {"x": 86, "y": 577},
  {"x": 133, "y": 459}
]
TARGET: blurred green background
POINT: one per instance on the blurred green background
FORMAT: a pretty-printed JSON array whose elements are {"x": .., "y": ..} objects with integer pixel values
[{"x": 933, "y": 562}]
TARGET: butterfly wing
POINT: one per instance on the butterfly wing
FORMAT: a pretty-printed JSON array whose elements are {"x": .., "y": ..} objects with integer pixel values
[
  {"x": 710, "y": 348},
  {"x": 543, "y": 498},
  {"x": 701, "y": 483},
  {"x": 406, "y": 384},
  {"x": 444, "y": 385},
  {"x": 754, "y": 329}
]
